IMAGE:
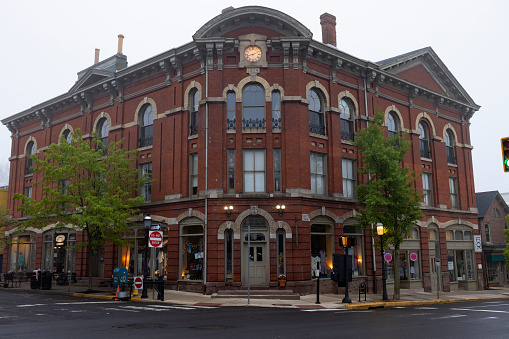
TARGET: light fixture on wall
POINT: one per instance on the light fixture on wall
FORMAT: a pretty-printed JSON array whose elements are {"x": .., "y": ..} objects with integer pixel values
[
  {"x": 280, "y": 209},
  {"x": 228, "y": 210}
]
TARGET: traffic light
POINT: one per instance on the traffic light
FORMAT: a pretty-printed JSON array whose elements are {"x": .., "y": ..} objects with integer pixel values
[{"x": 505, "y": 153}]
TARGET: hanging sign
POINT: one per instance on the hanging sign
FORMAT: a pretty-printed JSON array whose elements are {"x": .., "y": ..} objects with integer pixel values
[
  {"x": 413, "y": 256},
  {"x": 155, "y": 239},
  {"x": 477, "y": 243},
  {"x": 388, "y": 257}
]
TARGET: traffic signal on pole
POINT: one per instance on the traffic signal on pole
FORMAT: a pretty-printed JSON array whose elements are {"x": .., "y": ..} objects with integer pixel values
[{"x": 505, "y": 153}]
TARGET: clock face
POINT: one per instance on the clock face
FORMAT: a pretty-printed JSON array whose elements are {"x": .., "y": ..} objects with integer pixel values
[{"x": 253, "y": 53}]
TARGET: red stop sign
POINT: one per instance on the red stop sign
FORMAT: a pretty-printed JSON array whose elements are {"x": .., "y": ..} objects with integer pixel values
[
  {"x": 138, "y": 283},
  {"x": 155, "y": 239}
]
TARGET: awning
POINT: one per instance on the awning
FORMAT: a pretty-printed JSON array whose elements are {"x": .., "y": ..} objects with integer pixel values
[{"x": 498, "y": 257}]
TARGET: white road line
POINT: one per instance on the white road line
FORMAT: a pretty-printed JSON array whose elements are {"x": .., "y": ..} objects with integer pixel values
[
  {"x": 30, "y": 305},
  {"x": 87, "y": 302},
  {"x": 119, "y": 309},
  {"x": 449, "y": 316},
  {"x": 399, "y": 307},
  {"x": 143, "y": 308},
  {"x": 173, "y": 307},
  {"x": 474, "y": 310},
  {"x": 323, "y": 309},
  {"x": 426, "y": 308}
]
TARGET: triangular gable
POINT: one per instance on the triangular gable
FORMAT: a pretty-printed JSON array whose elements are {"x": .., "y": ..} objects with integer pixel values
[
  {"x": 91, "y": 77},
  {"x": 424, "y": 68}
]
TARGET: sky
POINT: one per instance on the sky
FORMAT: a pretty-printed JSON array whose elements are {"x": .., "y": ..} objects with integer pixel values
[{"x": 46, "y": 43}]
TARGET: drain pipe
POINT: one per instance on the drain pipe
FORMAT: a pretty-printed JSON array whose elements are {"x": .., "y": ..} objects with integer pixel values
[
  {"x": 369, "y": 178},
  {"x": 205, "y": 233}
]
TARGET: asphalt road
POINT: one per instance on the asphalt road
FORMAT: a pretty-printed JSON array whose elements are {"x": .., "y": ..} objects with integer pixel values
[{"x": 24, "y": 315}]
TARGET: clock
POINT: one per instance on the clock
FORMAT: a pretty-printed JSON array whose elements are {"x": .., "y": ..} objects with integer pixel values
[{"x": 253, "y": 53}]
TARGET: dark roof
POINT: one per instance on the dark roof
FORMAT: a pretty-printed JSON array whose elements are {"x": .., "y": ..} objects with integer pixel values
[
  {"x": 383, "y": 63},
  {"x": 484, "y": 200}
]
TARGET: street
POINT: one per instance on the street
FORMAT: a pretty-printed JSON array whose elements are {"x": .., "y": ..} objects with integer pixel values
[{"x": 24, "y": 315}]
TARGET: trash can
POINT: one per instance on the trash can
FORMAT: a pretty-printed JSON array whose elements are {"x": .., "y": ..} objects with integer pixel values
[
  {"x": 34, "y": 283},
  {"x": 46, "y": 280}
]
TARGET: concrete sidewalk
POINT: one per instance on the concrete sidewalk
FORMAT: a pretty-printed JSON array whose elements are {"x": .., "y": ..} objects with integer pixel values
[{"x": 327, "y": 301}]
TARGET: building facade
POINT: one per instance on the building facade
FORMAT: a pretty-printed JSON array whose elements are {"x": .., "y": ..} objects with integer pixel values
[
  {"x": 250, "y": 115},
  {"x": 492, "y": 218}
]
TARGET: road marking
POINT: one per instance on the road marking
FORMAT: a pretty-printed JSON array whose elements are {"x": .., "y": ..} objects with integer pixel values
[
  {"x": 449, "y": 316},
  {"x": 473, "y": 310},
  {"x": 399, "y": 307},
  {"x": 30, "y": 305},
  {"x": 86, "y": 302},
  {"x": 426, "y": 308},
  {"x": 173, "y": 307},
  {"x": 323, "y": 309},
  {"x": 491, "y": 318},
  {"x": 119, "y": 309}
]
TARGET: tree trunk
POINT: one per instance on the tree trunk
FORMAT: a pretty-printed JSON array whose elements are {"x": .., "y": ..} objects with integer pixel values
[
  {"x": 90, "y": 261},
  {"x": 396, "y": 274}
]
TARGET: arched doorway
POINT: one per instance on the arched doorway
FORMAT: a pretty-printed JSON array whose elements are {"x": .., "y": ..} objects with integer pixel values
[{"x": 255, "y": 245}]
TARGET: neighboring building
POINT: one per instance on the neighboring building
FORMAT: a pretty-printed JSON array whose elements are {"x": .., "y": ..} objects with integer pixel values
[
  {"x": 3, "y": 204},
  {"x": 253, "y": 113},
  {"x": 493, "y": 211}
]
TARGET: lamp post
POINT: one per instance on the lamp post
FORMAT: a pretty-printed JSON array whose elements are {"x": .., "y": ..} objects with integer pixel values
[
  {"x": 380, "y": 230},
  {"x": 147, "y": 222},
  {"x": 344, "y": 242}
]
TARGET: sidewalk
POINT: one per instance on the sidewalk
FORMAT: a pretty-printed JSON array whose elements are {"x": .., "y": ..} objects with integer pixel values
[{"x": 327, "y": 301}]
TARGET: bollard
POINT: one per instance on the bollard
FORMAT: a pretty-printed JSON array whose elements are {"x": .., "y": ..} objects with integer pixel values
[{"x": 317, "y": 290}]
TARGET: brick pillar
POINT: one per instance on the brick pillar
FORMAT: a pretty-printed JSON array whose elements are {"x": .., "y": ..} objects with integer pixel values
[{"x": 328, "y": 22}]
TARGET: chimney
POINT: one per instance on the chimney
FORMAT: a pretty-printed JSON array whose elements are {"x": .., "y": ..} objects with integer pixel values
[
  {"x": 328, "y": 22},
  {"x": 120, "y": 43},
  {"x": 96, "y": 59}
]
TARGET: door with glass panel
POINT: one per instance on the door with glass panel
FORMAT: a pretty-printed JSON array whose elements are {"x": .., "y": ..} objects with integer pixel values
[{"x": 255, "y": 249}]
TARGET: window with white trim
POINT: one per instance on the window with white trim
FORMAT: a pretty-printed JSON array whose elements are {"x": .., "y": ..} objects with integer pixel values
[
  {"x": 254, "y": 171},
  {"x": 318, "y": 173},
  {"x": 348, "y": 170},
  {"x": 427, "y": 189}
]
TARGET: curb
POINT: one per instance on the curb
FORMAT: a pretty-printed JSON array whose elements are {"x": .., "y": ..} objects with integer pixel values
[{"x": 388, "y": 304}]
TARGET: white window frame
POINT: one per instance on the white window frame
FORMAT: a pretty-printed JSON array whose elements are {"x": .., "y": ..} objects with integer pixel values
[
  {"x": 318, "y": 173},
  {"x": 254, "y": 171},
  {"x": 348, "y": 174}
]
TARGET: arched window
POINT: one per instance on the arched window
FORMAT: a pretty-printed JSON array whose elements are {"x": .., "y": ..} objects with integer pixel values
[
  {"x": 316, "y": 113},
  {"x": 103, "y": 128},
  {"x": 230, "y": 111},
  {"x": 67, "y": 135},
  {"x": 253, "y": 107},
  {"x": 392, "y": 124},
  {"x": 276, "y": 110},
  {"x": 449, "y": 145},
  {"x": 424, "y": 140},
  {"x": 346, "y": 110},
  {"x": 228, "y": 248},
  {"x": 29, "y": 163},
  {"x": 194, "y": 104},
  {"x": 146, "y": 126}
]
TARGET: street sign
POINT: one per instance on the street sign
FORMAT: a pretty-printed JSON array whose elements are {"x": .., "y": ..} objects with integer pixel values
[
  {"x": 413, "y": 256},
  {"x": 155, "y": 239},
  {"x": 388, "y": 257},
  {"x": 138, "y": 282}
]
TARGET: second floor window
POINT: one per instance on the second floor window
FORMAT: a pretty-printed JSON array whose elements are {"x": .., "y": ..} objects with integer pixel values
[
  {"x": 318, "y": 173},
  {"x": 29, "y": 163},
  {"x": 487, "y": 232},
  {"x": 427, "y": 189},
  {"x": 67, "y": 135},
  {"x": 392, "y": 124},
  {"x": 316, "y": 113},
  {"x": 347, "y": 129},
  {"x": 424, "y": 141},
  {"x": 253, "y": 98},
  {"x": 146, "y": 188},
  {"x": 231, "y": 170},
  {"x": 193, "y": 172},
  {"x": 348, "y": 168},
  {"x": 453, "y": 190},
  {"x": 194, "y": 104},
  {"x": 146, "y": 126},
  {"x": 277, "y": 170},
  {"x": 254, "y": 171},
  {"x": 449, "y": 146}
]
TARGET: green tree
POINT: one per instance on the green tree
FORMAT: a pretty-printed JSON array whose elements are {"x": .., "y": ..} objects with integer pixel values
[
  {"x": 389, "y": 194},
  {"x": 87, "y": 186},
  {"x": 7, "y": 222}
]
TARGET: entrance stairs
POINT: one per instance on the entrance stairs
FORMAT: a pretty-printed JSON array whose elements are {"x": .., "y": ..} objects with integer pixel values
[{"x": 258, "y": 294}]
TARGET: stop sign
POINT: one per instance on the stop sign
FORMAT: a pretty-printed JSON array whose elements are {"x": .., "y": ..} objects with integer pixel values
[
  {"x": 138, "y": 283},
  {"x": 155, "y": 239}
]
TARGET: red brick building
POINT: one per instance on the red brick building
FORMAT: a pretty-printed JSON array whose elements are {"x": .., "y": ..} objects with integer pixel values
[
  {"x": 254, "y": 114},
  {"x": 492, "y": 220}
]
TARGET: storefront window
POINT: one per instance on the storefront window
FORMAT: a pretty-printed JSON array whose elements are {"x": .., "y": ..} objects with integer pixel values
[
  {"x": 450, "y": 265},
  {"x": 192, "y": 252},
  {"x": 228, "y": 238},
  {"x": 409, "y": 265},
  {"x": 357, "y": 251},
  {"x": 22, "y": 253},
  {"x": 321, "y": 249},
  {"x": 280, "y": 251},
  {"x": 460, "y": 260}
]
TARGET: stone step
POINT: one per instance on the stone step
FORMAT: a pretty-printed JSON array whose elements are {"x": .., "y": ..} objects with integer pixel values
[{"x": 258, "y": 294}]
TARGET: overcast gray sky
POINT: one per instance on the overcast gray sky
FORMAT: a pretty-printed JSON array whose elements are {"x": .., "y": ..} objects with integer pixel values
[{"x": 45, "y": 43}]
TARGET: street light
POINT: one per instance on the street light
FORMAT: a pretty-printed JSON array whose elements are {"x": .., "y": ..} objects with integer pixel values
[
  {"x": 345, "y": 243},
  {"x": 147, "y": 222},
  {"x": 228, "y": 210},
  {"x": 280, "y": 209},
  {"x": 380, "y": 230}
]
